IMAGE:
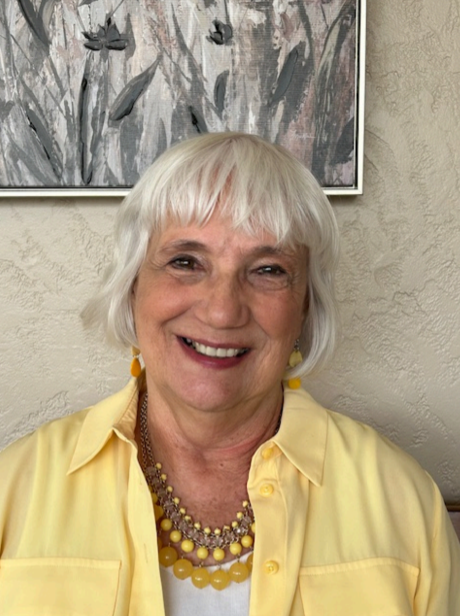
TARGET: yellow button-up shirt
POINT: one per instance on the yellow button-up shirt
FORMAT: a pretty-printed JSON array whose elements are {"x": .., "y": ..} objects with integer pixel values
[{"x": 347, "y": 524}]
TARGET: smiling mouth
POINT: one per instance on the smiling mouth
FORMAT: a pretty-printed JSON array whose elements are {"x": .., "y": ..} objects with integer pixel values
[{"x": 219, "y": 352}]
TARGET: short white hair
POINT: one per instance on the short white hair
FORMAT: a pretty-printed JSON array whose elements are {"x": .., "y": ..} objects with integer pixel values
[{"x": 265, "y": 187}]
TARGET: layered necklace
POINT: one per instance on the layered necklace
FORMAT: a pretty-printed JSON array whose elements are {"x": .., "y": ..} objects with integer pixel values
[{"x": 187, "y": 537}]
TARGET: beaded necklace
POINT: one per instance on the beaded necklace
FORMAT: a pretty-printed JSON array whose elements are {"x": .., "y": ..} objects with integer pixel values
[{"x": 190, "y": 536}]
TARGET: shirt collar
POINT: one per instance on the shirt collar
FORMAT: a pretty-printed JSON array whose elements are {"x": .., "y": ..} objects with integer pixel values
[
  {"x": 303, "y": 433},
  {"x": 301, "y": 437},
  {"x": 116, "y": 414}
]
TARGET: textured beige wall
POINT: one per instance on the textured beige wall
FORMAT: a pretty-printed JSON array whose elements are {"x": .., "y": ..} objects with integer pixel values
[{"x": 399, "y": 282}]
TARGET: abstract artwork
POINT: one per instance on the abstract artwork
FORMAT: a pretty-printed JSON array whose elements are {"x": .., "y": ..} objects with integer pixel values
[{"x": 92, "y": 91}]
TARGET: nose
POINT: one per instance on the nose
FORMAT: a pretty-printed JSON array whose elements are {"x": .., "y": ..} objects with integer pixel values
[{"x": 224, "y": 305}]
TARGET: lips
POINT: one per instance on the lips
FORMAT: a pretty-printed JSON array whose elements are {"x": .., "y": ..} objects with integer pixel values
[{"x": 219, "y": 352}]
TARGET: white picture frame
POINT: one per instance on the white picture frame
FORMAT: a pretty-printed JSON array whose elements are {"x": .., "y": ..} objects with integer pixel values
[{"x": 94, "y": 90}]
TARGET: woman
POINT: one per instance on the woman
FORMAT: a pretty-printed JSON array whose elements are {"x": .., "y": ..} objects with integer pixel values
[{"x": 212, "y": 462}]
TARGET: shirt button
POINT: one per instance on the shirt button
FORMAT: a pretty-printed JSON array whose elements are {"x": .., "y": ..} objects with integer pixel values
[
  {"x": 268, "y": 452},
  {"x": 266, "y": 489},
  {"x": 271, "y": 567}
]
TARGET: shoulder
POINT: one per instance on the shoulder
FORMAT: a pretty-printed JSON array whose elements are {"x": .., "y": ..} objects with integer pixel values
[
  {"x": 372, "y": 454},
  {"x": 57, "y": 430},
  {"x": 59, "y": 437},
  {"x": 65, "y": 466},
  {"x": 51, "y": 444},
  {"x": 33, "y": 471},
  {"x": 356, "y": 457},
  {"x": 50, "y": 450},
  {"x": 372, "y": 488},
  {"x": 348, "y": 438}
]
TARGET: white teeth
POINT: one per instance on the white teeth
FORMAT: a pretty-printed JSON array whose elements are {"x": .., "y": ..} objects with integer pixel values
[{"x": 213, "y": 351}]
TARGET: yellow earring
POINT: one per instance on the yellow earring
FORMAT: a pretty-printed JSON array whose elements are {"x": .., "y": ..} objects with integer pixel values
[
  {"x": 135, "y": 363},
  {"x": 294, "y": 360}
]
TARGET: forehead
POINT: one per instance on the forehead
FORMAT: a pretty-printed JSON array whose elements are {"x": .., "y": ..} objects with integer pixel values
[{"x": 220, "y": 235}]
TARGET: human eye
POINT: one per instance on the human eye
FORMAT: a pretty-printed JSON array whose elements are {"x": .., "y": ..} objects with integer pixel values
[
  {"x": 184, "y": 262},
  {"x": 271, "y": 270},
  {"x": 269, "y": 276}
]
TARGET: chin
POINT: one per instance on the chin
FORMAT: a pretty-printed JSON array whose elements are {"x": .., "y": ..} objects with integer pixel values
[{"x": 209, "y": 396}]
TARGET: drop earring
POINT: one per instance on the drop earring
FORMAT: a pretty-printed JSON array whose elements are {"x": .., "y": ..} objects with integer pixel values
[
  {"x": 136, "y": 368},
  {"x": 294, "y": 360}
]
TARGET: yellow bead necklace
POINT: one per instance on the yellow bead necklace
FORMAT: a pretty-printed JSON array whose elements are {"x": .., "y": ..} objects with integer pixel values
[{"x": 189, "y": 536}]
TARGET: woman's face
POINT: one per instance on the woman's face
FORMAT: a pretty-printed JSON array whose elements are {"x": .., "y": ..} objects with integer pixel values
[{"x": 217, "y": 312}]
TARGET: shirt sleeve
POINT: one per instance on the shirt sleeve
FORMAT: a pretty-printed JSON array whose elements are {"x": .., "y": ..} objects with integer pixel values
[{"x": 438, "y": 592}]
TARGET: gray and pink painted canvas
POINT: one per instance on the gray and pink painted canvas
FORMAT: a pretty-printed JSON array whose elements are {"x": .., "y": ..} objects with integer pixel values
[{"x": 92, "y": 91}]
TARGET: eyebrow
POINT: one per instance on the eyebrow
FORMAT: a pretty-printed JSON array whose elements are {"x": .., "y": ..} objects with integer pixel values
[
  {"x": 271, "y": 251},
  {"x": 264, "y": 249},
  {"x": 184, "y": 245}
]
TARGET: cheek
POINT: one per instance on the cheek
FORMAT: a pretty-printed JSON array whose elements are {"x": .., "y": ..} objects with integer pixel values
[
  {"x": 154, "y": 309},
  {"x": 282, "y": 320}
]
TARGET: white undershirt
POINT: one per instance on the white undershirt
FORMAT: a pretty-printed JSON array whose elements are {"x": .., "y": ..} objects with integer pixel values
[{"x": 182, "y": 598}]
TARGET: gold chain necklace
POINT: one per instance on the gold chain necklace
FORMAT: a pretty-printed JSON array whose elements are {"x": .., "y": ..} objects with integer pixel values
[{"x": 190, "y": 536}]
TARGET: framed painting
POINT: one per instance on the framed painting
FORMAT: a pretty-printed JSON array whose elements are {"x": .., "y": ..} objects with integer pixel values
[{"x": 93, "y": 91}]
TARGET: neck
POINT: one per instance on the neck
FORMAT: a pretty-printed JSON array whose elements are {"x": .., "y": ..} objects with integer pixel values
[{"x": 207, "y": 454}]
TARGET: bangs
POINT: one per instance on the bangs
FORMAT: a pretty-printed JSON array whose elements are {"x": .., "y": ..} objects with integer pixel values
[{"x": 242, "y": 180}]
